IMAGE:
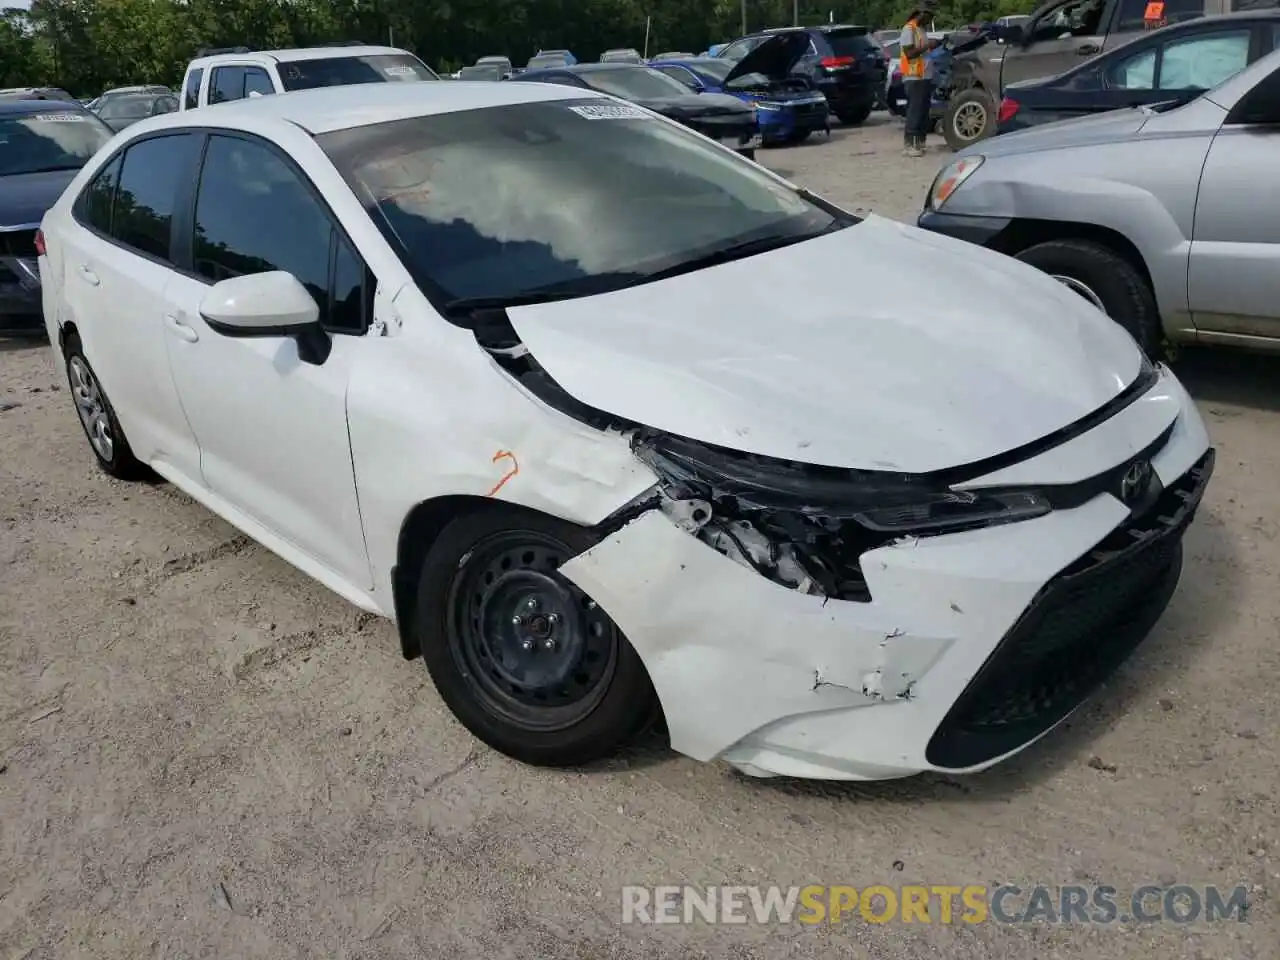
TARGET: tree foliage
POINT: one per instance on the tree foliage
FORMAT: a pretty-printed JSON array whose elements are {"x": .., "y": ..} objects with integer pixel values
[{"x": 87, "y": 45}]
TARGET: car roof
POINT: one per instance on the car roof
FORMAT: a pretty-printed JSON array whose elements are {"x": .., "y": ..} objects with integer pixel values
[
  {"x": 597, "y": 68},
  {"x": 326, "y": 109},
  {"x": 820, "y": 28},
  {"x": 300, "y": 53},
  {"x": 23, "y": 108}
]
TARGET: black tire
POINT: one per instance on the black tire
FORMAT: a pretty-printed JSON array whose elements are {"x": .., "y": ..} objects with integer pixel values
[
  {"x": 599, "y": 696},
  {"x": 963, "y": 107},
  {"x": 94, "y": 411},
  {"x": 799, "y": 136},
  {"x": 852, "y": 116},
  {"x": 1118, "y": 283},
  {"x": 749, "y": 154}
]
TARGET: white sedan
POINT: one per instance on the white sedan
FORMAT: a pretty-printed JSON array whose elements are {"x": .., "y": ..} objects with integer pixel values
[{"x": 559, "y": 386}]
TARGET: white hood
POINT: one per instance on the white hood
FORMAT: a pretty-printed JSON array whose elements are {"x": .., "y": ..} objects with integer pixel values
[{"x": 877, "y": 347}]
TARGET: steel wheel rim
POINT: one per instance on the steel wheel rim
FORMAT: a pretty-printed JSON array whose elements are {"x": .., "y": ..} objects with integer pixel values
[
  {"x": 92, "y": 408},
  {"x": 543, "y": 665},
  {"x": 1083, "y": 289},
  {"x": 969, "y": 120}
]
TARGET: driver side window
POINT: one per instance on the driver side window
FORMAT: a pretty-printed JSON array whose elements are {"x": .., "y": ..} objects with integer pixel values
[
  {"x": 679, "y": 74},
  {"x": 1082, "y": 18}
]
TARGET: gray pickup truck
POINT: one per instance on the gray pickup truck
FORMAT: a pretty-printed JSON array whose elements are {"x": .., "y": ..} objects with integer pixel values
[{"x": 1056, "y": 36}]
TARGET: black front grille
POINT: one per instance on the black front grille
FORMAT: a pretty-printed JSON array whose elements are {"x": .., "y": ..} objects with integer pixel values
[
  {"x": 18, "y": 243},
  {"x": 1080, "y": 627}
]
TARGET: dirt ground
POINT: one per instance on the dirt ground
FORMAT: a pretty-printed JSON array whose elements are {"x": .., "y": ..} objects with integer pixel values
[{"x": 205, "y": 754}]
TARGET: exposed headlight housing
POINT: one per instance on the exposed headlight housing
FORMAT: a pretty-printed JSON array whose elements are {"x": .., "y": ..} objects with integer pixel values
[
  {"x": 807, "y": 527},
  {"x": 950, "y": 178},
  {"x": 767, "y": 105}
]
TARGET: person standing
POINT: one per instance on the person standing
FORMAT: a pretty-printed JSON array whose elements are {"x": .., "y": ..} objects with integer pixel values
[{"x": 917, "y": 77}]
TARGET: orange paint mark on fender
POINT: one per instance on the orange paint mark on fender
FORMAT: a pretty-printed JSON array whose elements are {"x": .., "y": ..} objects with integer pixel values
[{"x": 515, "y": 468}]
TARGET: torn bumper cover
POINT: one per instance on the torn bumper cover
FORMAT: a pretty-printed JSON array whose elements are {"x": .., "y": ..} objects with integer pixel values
[{"x": 819, "y": 641}]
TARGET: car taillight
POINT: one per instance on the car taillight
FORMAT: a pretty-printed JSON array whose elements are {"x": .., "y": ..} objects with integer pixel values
[
  {"x": 1008, "y": 108},
  {"x": 835, "y": 63},
  {"x": 40, "y": 243}
]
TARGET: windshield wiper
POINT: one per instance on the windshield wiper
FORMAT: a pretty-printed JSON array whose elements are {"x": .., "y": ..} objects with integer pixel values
[
  {"x": 568, "y": 290},
  {"x": 737, "y": 251}
]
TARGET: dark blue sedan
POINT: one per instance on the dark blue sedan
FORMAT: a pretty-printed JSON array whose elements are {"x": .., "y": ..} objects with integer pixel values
[
  {"x": 788, "y": 107},
  {"x": 43, "y": 145}
]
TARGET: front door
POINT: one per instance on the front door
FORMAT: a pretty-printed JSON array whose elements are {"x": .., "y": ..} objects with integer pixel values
[
  {"x": 1057, "y": 40},
  {"x": 272, "y": 429},
  {"x": 1233, "y": 285}
]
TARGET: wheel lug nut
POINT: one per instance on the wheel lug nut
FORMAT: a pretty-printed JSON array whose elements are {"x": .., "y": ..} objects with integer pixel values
[
  {"x": 549, "y": 644},
  {"x": 516, "y": 621},
  {"x": 553, "y": 618},
  {"x": 526, "y": 644},
  {"x": 531, "y": 603}
]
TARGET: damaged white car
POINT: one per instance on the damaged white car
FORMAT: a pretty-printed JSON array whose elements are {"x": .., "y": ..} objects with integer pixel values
[{"x": 564, "y": 389}]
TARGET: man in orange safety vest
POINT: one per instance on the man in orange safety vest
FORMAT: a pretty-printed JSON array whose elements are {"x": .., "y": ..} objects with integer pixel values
[{"x": 917, "y": 76}]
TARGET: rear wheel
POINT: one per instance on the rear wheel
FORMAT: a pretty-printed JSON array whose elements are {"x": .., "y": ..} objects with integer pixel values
[
  {"x": 524, "y": 658},
  {"x": 1106, "y": 279},
  {"x": 98, "y": 418},
  {"x": 970, "y": 116}
]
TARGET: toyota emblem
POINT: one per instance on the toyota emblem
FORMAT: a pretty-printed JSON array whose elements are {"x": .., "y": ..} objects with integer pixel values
[{"x": 1135, "y": 481}]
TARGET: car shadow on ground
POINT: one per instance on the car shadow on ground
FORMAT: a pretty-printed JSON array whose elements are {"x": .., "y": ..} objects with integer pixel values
[
  {"x": 17, "y": 344},
  {"x": 1231, "y": 377}
]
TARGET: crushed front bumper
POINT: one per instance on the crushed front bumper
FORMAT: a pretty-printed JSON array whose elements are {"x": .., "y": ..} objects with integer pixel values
[
  {"x": 973, "y": 645},
  {"x": 20, "y": 302}
]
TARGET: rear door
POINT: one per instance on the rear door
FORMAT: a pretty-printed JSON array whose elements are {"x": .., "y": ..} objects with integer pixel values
[
  {"x": 235, "y": 81},
  {"x": 118, "y": 261}
]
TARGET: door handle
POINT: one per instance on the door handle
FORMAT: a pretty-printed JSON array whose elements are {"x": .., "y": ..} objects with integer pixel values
[
  {"x": 87, "y": 274},
  {"x": 1087, "y": 49},
  {"x": 180, "y": 329}
]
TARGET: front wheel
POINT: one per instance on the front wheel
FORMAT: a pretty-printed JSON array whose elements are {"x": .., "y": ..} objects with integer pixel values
[
  {"x": 1106, "y": 279},
  {"x": 970, "y": 116},
  {"x": 524, "y": 658}
]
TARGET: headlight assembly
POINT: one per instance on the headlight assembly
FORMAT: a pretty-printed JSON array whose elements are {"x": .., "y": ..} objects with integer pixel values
[{"x": 950, "y": 178}]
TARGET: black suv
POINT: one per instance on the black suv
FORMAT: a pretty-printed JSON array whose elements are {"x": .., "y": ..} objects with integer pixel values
[{"x": 843, "y": 60}]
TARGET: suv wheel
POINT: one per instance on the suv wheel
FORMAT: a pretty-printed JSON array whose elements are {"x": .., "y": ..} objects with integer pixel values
[
  {"x": 1107, "y": 280},
  {"x": 970, "y": 117}
]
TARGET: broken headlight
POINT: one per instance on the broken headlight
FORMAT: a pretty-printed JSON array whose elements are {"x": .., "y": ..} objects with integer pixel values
[{"x": 806, "y": 526}]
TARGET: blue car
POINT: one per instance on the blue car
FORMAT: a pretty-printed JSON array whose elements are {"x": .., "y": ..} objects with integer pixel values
[{"x": 788, "y": 107}]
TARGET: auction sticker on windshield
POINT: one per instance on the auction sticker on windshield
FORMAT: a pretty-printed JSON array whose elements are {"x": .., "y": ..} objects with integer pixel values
[
  {"x": 399, "y": 71},
  {"x": 59, "y": 117},
  {"x": 611, "y": 111}
]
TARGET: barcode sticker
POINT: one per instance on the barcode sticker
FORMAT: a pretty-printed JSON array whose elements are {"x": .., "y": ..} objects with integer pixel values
[
  {"x": 59, "y": 117},
  {"x": 611, "y": 111}
]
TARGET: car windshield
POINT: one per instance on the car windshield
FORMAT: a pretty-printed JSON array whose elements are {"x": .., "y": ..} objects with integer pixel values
[
  {"x": 346, "y": 71},
  {"x": 57, "y": 140},
  {"x": 489, "y": 72},
  {"x": 640, "y": 83},
  {"x": 585, "y": 195},
  {"x": 126, "y": 108},
  {"x": 620, "y": 56}
]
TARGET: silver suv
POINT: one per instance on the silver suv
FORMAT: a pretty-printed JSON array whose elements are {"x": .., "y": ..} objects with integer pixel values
[{"x": 1158, "y": 215}]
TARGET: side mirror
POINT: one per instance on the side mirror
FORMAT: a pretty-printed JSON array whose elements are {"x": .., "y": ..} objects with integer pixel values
[{"x": 270, "y": 304}]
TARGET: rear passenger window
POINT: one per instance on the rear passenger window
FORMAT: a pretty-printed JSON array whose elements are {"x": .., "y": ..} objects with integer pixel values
[
  {"x": 191, "y": 93},
  {"x": 257, "y": 81},
  {"x": 254, "y": 214},
  {"x": 98, "y": 198},
  {"x": 150, "y": 177},
  {"x": 227, "y": 83}
]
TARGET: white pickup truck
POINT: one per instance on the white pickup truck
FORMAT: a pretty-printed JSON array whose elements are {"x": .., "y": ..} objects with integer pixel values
[{"x": 219, "y": 76}]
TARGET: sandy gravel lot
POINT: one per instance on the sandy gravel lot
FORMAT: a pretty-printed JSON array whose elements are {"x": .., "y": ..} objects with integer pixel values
[{"x": 205, "y": 754}]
